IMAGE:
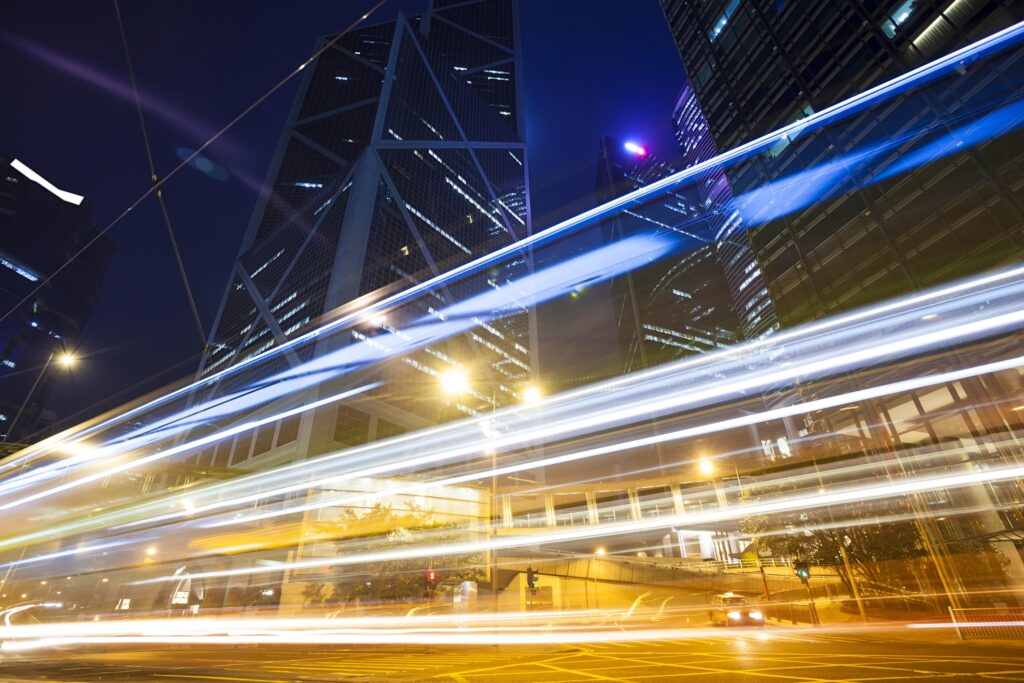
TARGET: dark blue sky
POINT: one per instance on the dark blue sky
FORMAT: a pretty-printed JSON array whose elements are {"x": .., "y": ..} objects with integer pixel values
[{"x": 592, "y": 68}]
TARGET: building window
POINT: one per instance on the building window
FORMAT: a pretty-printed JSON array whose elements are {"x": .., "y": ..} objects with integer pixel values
[
  {"x": 288, "y": 431},
  {"x": 719, "y": 26},
  {"x": 899, "y": 14}
]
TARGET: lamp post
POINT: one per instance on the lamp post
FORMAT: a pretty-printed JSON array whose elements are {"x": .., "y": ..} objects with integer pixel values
[
  {"x": 65, "y": 359},
  {"x": 455, "y": 382}
]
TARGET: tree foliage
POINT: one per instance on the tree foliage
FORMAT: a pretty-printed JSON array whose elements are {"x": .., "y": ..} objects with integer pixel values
[{"x": 384, "y": 529}]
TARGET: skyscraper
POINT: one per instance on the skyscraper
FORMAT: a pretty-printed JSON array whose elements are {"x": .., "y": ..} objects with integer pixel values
[
  {"x": 757, "y": 65},
  {"x": 403, "y": 157},
  {"x": 745, "y": 281},
  {"x": 681, "y": 306},
  {"x": 41, "y": 227}
]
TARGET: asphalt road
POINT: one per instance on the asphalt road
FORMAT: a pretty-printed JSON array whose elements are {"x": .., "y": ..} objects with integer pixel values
[{"x": 771, "y": 656}]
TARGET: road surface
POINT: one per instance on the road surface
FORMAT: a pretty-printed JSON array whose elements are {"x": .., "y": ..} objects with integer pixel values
[{"x": 774, "y": 655}]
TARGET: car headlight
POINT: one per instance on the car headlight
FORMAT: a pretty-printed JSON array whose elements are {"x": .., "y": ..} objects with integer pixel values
[
  {"x": 754, "y": 614},
  {"x": 734, "y": 615}
]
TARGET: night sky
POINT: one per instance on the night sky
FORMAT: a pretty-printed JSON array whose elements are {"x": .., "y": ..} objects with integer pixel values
[{"x": 592, "y": 68}]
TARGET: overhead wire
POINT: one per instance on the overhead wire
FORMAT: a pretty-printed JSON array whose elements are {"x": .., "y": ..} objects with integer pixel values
[
  {"x": 185, "y": 162},
  {"x": 156, "y": 179}
]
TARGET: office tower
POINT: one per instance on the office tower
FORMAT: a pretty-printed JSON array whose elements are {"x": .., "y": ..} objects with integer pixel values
[
  {"x": 41, "y": 227},
  {"x": 680, "y": 306},
  {"x": 757, "y": 65},
  {"x": 745, "y": 281},
  {"x": 403, "y": 157}
]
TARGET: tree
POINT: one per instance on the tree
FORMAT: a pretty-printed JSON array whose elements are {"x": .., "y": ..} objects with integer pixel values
[
  {"x": 383, "y": 529},
  {"x": 878, "y": 551}
]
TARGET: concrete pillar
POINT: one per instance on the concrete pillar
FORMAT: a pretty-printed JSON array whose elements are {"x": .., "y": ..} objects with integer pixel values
[
  {"x": 549, "y": 509},
  {"x": 634, "y": 504},
  {"x": 591, "y": 507},
  {"x": 677, "y": 499}
]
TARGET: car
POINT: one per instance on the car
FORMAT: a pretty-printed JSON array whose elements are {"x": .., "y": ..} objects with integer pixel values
[{"x": 729, "y": 609}]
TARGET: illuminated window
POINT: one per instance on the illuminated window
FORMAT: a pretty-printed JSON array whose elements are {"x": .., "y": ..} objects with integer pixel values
[
  {"x": 19, "y": 269},
  {"x": 730, "y": 9},
  {"x": 896, "y": 18}
]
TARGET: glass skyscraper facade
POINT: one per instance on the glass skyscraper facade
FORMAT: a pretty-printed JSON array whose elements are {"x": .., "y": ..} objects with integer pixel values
[
  {"x": 866, "y": 234},
  {"x": 404, "y": 156},
  {"x": 756, "y": 66},
  {"x": 714, "y": 193},
  {"x": 679, "y": 308}
]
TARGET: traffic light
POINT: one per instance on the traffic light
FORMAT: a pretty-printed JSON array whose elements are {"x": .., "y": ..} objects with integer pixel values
[
  {"x": 802, "y": 570},
  {"x": 431, "y": 579},
  {"x": 531, "y": 578}
]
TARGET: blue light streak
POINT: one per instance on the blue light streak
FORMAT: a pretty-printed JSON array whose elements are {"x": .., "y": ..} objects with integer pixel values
[{"x": 957, "y": 60}]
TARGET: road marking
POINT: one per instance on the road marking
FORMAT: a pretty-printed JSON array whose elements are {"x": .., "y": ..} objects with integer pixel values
[
  {"x": 709, "y": 669},
  {"x": 221, "y": 678},
  {"x": 578, "y": 672}
]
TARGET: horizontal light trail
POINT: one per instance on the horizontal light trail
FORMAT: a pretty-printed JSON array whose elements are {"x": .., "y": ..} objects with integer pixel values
[
  {"x": 548, "y": 629},
  {"x": 956, "y": 60},
  {"x": 745, "y": 420},
  {"x": 190, "y": 445},
  {"x": 949, "y": 306},
  {"x": 535, "y": 288},
  {"x": 681, "y": 397},
  {"x": 459, "y": 637},
  {"x": 185, "y": 631},
  {"x": 800, "y": 502},
  {"x": 972, "y": 624},
  {"x": 83, "y": 550}
]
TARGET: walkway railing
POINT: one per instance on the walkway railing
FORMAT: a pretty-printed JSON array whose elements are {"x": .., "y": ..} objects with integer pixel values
[{"x": 988, "y": 622}]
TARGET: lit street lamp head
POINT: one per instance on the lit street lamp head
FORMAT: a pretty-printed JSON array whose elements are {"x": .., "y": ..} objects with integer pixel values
[
  {"x": 454, "y": 382},
  {"x": 67, "y": 360}
]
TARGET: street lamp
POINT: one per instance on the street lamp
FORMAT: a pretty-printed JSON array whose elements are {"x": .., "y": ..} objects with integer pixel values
[
  {"x": 706, "y": 467},
  {"x": 454, "y": 382},
  {"x": 66, "y": 360},
  {"x": 531, "y": 394}
]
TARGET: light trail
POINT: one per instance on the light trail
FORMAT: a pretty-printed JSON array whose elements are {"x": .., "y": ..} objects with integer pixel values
[
  {"x": 995, "y": 290},
  {"x": 532, "y": 289},
  {"x": 692, "y": 399},
  {"x": 197, "y": 443},
  {"x": 155, "y": 431},
  {"x": 681, "y": 397},
  {"x": 956, "y": 60},
  {"x": 535, "y": 628},
  {"x": 270, "y": 632},
  {"x": 786, "y": 504}
]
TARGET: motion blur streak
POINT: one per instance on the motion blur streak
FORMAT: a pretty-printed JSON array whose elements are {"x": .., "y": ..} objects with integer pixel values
[
  {"x": 746, "y": 420},
  {"x": 213, "y": 438},
  {"x": 805, "y": 502},
  {"x": 918, "y": 77},
  {"x": 435, "y": 466},
  {"x": 954, "y": 314},
  {"x": 528, "y": 290}
]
